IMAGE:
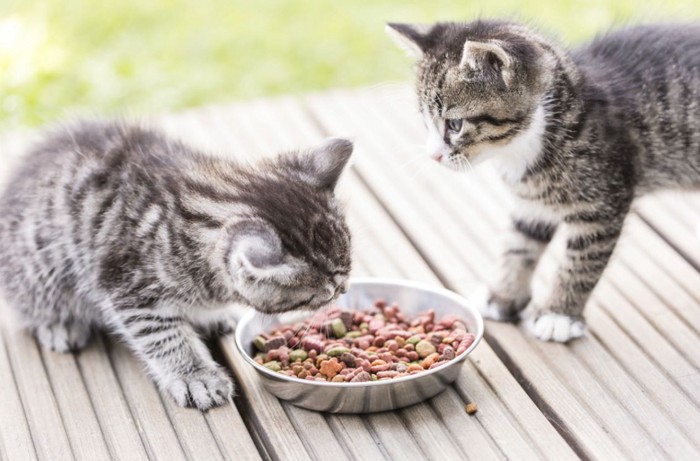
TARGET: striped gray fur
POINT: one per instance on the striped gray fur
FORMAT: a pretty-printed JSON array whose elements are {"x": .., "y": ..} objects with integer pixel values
[
  {"x": 576, "y": 135},
  {"x": 114, "y": 226}
]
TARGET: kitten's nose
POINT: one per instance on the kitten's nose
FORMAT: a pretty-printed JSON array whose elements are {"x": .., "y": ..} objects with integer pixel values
[{"x": 437, "y": 156}]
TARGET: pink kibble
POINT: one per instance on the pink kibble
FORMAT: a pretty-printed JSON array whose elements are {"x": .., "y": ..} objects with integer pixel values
[
  {"x": 375, "y": 325},
  {"x": 361, "y": 377},
  {"x": 392, "y": 345},
  {"x": 465, "y": 343}
]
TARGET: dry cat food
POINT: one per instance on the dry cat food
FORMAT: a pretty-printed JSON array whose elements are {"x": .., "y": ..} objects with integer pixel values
[{"x": 340, "y": 345}]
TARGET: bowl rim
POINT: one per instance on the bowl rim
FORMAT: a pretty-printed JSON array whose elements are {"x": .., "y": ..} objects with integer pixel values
[{"x": 464, "y": 302}]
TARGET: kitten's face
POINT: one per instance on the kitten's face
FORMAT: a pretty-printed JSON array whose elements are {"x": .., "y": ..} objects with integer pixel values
[
  {"x": 480, "y": 88},
  {"x": 294, "y": 252}
]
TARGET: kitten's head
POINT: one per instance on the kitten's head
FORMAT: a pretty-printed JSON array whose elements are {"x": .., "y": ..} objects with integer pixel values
[
  {"x": 480, "y": 86},
  {"x": 293, "y": 250}
]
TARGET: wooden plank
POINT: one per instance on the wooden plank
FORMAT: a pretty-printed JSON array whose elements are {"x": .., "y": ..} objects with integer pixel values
[
  {"x": 394, "y": 437},
  {"x": 76, "y": 409},
  {"x": 314, "y": 427},
  {"x": 658, "y": 211},
  {"x": 675, "y": 280},
  {"x": 353, "y": 433},
  {"x": 274, "y": 428},
  {"x": 468, "y": 432},
  {"x": 15, "y": 437},
  {"x": 656, "y": 311},
  {"x": 118, "y": 425},
  {"x": 648, "y": 338},
  {"x": 193, "y": 431},
  {"x": 231, "y": 434},
  {"x": 43, "y": 416},
  {"x": 144, "y": 401}
]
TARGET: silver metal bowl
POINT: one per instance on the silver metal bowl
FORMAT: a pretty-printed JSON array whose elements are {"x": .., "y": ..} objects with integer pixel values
[{"x": 366, "y": 397}]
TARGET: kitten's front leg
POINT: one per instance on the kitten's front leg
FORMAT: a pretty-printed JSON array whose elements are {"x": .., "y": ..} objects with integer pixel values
[
  {"x": 510, "y": 293},
  {"x": 176, "y": 357},
  {"x": 588, "y": 249},
  {"x": 213, "y": 323}
]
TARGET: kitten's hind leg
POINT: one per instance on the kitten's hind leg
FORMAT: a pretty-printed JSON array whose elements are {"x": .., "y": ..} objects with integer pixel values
[
  {"x": 176, "y": 357},
  {"x": 63, "y": 335},
  {"x": 504, "y": 299}
]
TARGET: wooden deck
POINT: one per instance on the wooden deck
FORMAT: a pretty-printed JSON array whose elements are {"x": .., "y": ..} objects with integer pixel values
[{"x": 629, "y": 390}]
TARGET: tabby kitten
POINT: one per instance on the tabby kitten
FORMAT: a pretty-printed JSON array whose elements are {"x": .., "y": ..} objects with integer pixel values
[
  {"x": 115, "y": 226},
  {"x": 575, "y": 135}
]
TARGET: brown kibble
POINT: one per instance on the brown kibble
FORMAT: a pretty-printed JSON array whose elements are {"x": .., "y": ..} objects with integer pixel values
[
  {"x": 274, "y": 343},
  {"x": 330, "y": 367},
  {"x": 429, "y": 360},
  {"x": 471, "y": 408}
]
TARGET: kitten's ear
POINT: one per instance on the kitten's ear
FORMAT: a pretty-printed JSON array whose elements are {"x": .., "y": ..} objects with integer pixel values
[
  {"x": 409, "y": 37},
  {"x": 328, "y": 161},
  {"x": 478, "y": 56},
  {"x": 256, "y": 252}
]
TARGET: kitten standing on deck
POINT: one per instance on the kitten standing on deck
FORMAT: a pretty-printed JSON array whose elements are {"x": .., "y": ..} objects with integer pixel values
[
  {"x": 115, "y": 226},
  {"x": 576, "y": 136}
]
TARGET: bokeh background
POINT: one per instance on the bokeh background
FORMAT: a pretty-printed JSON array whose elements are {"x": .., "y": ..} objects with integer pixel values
[{"x": 71, "y": 57}]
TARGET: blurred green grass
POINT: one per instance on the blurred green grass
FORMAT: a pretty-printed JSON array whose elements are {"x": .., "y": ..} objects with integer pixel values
[{"x": 60, "y": 58}]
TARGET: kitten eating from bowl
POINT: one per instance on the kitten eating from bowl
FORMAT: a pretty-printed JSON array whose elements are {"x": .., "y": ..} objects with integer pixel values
[{"x": 115, "y": 226}]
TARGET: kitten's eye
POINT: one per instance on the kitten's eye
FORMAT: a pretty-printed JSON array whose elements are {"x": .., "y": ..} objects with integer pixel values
[{"x": 454, "y": 124}]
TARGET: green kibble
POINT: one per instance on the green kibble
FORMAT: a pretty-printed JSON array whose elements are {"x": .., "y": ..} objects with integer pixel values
[
  {"x": 298, "y": 354},
  {"x": 274, "y": 365},
  {"x": 413, "y": 340},
  {"x": 373, "y": 377},
  {"x": 364, "y": 326},
  {"x": 353, "y": 334},
  {"x": 425, "y": 348},
  {"x": 337, "y": 351},
  {"x": 338, "y": 328},
  {"x": 259, "y": 343}
]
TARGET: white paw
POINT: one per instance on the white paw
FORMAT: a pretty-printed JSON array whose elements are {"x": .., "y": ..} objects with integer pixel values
[
  {"x": 63, "y": 338},
  {"x": 206, "y": 388},
  {"x": 556, "y": 327},
  {"x": 480, "y": 299}
]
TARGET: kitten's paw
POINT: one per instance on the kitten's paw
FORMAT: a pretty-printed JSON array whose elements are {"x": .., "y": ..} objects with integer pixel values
[
  {"x": 491, "y": 308},
  {"x": 556, "y": 327},
  {"x": 70, "y": 337},
  {"x": 205, "y": 388}
]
